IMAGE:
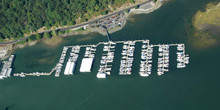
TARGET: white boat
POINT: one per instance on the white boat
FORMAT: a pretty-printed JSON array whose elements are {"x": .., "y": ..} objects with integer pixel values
[
  {"x": 143, "y": 74},
  {"x": 101, "y": 75}
]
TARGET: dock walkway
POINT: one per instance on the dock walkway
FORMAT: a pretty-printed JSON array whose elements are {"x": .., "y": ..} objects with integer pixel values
[{"x": 126, "y": 60}]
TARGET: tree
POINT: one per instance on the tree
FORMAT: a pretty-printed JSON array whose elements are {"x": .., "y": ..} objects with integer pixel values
[
  {"x": 47, "y": 25},
  {"x": 54, "y": 33},
  {"x": 2, "y": 37},
  {"x": 67, "y": 31},
  {"x": 132, "y": 1},
  {"x": 61, "y": 32},
  {"x": 137, "y": 6},
  {"x": 47, "y": 35},
  {"x": 19, "y": 17},
  {"x": 96, "y": 7},
  {"x": 84, "y": 20},
  {"x": 127, "y": 11},
  {"x": 104, "y": 12},
  {"x": 32, "y": 38},
  {"x": 38, "y": 36},
  {"x": 64, "y": 23},
  {"x": 73, "y": 22}
]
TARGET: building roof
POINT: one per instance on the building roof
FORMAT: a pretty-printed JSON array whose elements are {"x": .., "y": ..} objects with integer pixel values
[
  {"x": 68, "y": 66},
  {"x": 86, "y": 65}
]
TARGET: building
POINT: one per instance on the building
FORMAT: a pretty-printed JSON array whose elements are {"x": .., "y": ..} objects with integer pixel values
[
  {"x": 70, "y": 66},
  {"x": 86, "y": 65}
]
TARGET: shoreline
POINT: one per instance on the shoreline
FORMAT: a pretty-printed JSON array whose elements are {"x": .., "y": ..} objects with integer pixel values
[
  {"x": 74, "y": 32},
  {"x": 41, "y": 30},
  {"x": 132, "y": 12},
  {"x": 95, "y": 30},
  {"x": 145, "y": 11}
]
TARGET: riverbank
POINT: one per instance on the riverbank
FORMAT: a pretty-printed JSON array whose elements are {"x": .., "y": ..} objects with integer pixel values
[
  {"x": 142, "y": 9},
  {"x": 146, "y": 8},
  {"x": 79, "y": 23},
  {"x": 151, "y": 6},
  {"x": 55, "y": 40}
]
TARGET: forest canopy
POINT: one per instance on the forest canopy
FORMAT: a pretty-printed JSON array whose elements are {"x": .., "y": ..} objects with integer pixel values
[{"x": 24, "y": 16}]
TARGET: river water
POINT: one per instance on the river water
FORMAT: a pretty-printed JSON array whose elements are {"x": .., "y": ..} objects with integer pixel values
[{"x": 195, "y": 87}]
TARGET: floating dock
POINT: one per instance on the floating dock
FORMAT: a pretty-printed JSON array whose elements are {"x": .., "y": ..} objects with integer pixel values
[
  {"x": 182, "y": 59},
  {"x": 146, "y": 59},
  {"x": 127, "y": 58},
  {"x": 163, "y": 60},
  {"x": 107, "y": 58},
  {"x": 7, "y": 69},
  {"x": 71, "y": 63},
  {"x": 61, "y": 61}
]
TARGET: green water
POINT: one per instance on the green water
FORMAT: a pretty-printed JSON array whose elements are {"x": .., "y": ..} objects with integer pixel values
[{"x": 195, "y": 87}]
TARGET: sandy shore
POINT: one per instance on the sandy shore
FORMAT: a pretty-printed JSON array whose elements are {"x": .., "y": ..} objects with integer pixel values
[
  {"x": 144, "y": 10},
  {"x": 53, "y": 41},
  {"x": 25, "y": 44}
]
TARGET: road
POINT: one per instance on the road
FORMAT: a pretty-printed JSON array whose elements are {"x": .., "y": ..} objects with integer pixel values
[{"x": 79, "y": 25}]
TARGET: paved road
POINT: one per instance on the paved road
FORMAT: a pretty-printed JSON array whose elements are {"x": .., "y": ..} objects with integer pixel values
[{"x": 79, "y": 25}]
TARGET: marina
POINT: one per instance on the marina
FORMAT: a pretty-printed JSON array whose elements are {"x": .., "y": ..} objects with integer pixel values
[
  {"x": 182, "y": 59},
  {"x": 71, "y": 63},
  {"x": 61, "y": 61},
  {"x": 192, "y": 87},
  {"x": 127, "y": 58},
  {"x": 87, "y": 61},
  {"x": 146, "y": 59},
  {"x": 163, "y": 60},
  {"x": 106, "y": 62},
  {"x": 7, "y": 68}
]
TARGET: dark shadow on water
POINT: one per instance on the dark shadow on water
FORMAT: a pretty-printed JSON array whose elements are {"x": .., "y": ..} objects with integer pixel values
[{"x": 9, "y": 106}]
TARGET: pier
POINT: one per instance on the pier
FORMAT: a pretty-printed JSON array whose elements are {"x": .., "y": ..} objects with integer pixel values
[
  {"x": 127, "y": 58},
  {"x": 182, "y": 59},
  {"x": 108, "y": 36},
  {"x": 146, "y": 59},
  {"x": 61, "y": 61},
  {"x": 71, "y": 63},
  {"x": 7, "y": 69},
  {"x": 108, "y": 57},
  {"x": 163, "y": 60}
]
